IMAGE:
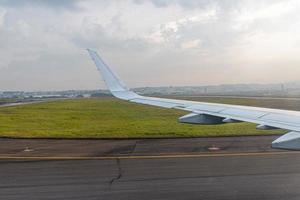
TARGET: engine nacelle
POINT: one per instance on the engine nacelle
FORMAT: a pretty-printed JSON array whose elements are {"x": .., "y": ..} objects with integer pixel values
[{"x": 194, "y": 118}]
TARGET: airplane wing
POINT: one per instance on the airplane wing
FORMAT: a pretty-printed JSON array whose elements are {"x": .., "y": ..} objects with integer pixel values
[{"x": 212, "y": 113}]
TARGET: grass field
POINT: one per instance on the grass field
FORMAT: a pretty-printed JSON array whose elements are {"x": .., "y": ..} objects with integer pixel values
[{"x": 110, "y": 118}]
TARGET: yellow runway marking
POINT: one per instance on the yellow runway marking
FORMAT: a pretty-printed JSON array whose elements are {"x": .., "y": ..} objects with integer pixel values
[{"x": 165, "y": 156}]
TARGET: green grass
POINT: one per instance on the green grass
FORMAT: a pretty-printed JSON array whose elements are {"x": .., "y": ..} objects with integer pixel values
[{"x": 107, "y": 118}]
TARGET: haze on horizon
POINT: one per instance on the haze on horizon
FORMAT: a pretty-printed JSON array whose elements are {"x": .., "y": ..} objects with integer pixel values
[{"x": 148, "y": 43}]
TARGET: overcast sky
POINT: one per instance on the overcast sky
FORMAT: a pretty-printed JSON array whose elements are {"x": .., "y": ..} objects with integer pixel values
[{"x": 148, "y": 43}]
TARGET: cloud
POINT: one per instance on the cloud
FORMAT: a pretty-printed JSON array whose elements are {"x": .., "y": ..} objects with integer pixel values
[
  {"x": 2, "y": 14},
  {"x": 184, "y": 3},
  {"x": 54, "y": 4},
  {"x": 191, "y": 44},
  {"x": 168, "y": 31},
  {"x": 168, "y": 42}
]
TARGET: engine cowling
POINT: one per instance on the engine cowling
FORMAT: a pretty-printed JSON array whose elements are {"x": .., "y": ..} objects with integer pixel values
[{"x": 195, "y": 118}]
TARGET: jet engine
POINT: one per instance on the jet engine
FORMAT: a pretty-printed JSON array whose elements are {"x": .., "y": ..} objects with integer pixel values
[{"x": 195, "y": 118}]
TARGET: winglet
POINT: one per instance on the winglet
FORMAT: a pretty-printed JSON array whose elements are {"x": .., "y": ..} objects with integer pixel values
[{"x": 114, "y": 84}]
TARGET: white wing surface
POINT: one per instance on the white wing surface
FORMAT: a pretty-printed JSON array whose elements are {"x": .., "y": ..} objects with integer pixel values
[{"x": 212, "y": 113}]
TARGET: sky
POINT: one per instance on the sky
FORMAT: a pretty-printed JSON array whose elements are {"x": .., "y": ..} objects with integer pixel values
[{"x": 148, "y": 42}]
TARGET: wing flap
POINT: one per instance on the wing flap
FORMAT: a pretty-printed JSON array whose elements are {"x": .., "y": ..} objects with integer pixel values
[
  {"x": 253, "y": 114},
  {"x": 289, "y": 119}
]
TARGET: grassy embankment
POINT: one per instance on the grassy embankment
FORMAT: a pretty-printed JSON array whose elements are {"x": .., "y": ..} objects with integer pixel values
[{"x": 110, "y": 118}]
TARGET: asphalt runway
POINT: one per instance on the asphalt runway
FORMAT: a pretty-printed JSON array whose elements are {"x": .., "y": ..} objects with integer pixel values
[
  {"x": 131, "y": 147},
  {"x": 240, "y": 168},
  {"x": 244, "y": 176}
]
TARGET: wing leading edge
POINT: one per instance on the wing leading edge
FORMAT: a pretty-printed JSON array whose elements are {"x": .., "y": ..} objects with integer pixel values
[{"x": 211, "y": 113}]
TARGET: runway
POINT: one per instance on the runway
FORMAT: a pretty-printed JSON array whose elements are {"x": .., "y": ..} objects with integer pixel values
[
  {"x": 236, "y": 168},
  {"x": 59, "y": 148},
  {"x": 271, "y": 176}
]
